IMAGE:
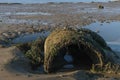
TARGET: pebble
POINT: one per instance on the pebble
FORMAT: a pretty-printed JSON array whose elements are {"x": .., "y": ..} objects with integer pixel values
[
  {"x": 1, "y": 46},
  {"x": 29, "y": 75},
  {"x": 17, "y": 74},
  {"x": 1, "y": 70},
  {"x": 10, "y": 34},
  {"x": 5, "y": 34}
]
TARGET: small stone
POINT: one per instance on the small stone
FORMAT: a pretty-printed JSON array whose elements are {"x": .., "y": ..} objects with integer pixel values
[
  {"x": 13, "y": 35},
  {"x": 19, "y": 33},
  {"x": 100, "y": 6},
  {"x": 5, "y": 34},
  {"x": 1, "y": 46},
  {"x": 17, "y": 74},
  {"x": 29, "y": 75},
  {"x": 62, "y": 75},
  {"x": 118, "y": 73},
  {"x": 1, "y": 70}
]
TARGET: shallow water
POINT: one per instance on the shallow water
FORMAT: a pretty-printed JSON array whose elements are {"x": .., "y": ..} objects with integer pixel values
[
  {"x": 106, "y": 10},
  {"x": 30, "y": 37},
  {"x": 22, "y": 21},
  {"x": 24, "y": 13},
  {"x": 45, "y": 1},
  {"x": 109, "y": 31},
  {"x": 7, "y": 20}
]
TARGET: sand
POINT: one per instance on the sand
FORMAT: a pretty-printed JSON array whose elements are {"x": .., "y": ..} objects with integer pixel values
[
  {"x": 36, "y": 17},
  {"x": 13, "y": 66},
  {"x": 14, "y": 21}
]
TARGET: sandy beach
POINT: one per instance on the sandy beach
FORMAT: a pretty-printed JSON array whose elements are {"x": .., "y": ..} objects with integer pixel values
[
  {"x": 22, "y": 19},
  {"x": 13, "y": 66}
]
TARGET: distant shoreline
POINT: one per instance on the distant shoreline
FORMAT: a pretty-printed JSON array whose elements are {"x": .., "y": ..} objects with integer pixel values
[
  {"x": 53, "y": 2},
  {"x": 11, "y": 3}
]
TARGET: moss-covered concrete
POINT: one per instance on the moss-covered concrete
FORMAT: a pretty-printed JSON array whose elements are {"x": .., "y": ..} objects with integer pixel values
[{"x": 78, "y": 43}]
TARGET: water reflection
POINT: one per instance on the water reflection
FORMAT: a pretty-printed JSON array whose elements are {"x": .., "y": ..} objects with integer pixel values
[
  {"x": 109, "y": 31},
  {"x": 22, "y": 21},
  {"x": 106, "y": 10},
  {"x": 30, "y": 37},
  {"x": 24, "y": 13}
]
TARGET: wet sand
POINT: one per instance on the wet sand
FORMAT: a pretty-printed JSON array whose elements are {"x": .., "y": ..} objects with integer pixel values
[
  {"x": 26, "y": 17},
  {"x": 21, "y": 19},
  {"x": 13, "y": 66}
]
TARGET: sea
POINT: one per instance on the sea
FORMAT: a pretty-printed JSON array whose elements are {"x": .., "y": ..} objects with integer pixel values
[{"x": 46, "y": 1}]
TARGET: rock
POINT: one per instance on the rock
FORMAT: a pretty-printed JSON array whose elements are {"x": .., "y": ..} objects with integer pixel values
[
  {"x": 31, "y": 30},
  {"x": 1, "y": 46},
  {"x": 13, "y": 35},
  {"x": 100, "y": 6},
  {"x": 29, "y": 75},
  {"x": 35, "y": 57},
  {"x": 4, "y": 41},
  {"x": 10, "y": 35},
  {"x": 85, "y": 46},
  {"x": 34, "y": 51},
  {"x": 5, "y": 34},
  {"x": 19, "y": 32}
]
